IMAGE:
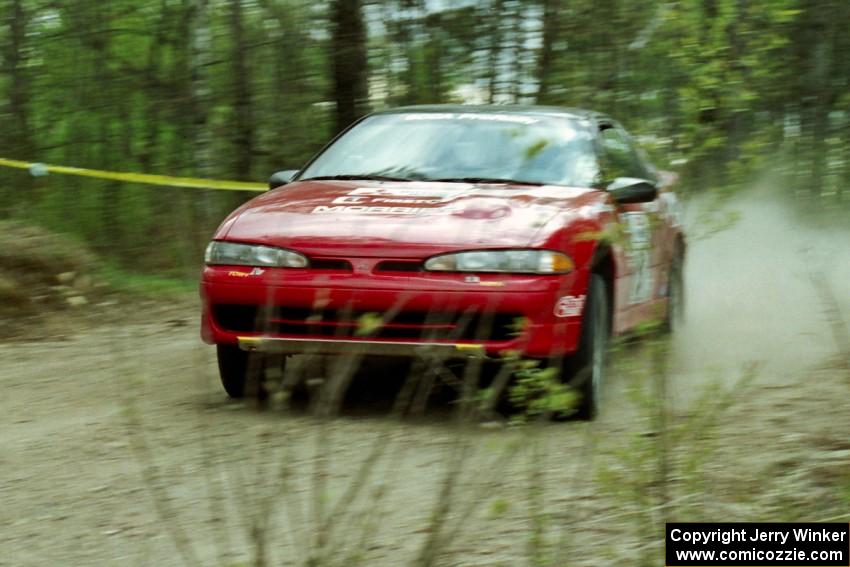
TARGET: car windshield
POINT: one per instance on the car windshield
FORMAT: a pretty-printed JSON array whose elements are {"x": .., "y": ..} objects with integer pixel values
[{"x": 458, "y": 146}]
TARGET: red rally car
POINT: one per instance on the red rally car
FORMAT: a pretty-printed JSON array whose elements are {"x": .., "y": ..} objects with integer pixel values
[{"x": 455, "y": 231}]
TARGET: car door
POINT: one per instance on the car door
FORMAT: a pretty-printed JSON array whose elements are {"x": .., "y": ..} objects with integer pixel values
[{"x": 638, "y": 287}]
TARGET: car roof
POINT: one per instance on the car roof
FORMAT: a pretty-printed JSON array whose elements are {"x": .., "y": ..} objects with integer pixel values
[{"x": 534, "y": 110}]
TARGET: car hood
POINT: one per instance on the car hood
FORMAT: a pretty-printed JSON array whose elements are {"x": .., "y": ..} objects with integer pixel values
[{"x": 400, "y": 220}]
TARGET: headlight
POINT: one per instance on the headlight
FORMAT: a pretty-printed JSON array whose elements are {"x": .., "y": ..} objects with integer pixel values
[
  {"x": 510, "y": 261},
  {"x": 233, "y": 254}
]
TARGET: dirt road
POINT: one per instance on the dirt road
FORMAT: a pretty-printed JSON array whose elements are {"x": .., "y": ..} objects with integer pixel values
[{"x": 117, "y": 446}]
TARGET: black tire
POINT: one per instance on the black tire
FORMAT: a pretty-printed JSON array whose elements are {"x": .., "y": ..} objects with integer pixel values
[
  {"x": 233, "y": 369},
  {"x": 675, "y": 316},
  {"x": 586, "y": 368}
]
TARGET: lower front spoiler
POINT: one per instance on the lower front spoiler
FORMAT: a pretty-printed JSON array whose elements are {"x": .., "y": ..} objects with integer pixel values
[{"x": 442, "y": 351}]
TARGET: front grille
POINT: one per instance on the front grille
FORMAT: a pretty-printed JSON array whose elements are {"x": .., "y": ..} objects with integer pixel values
[
  {"x": 399, "y": 266},
  {"x": 333, "y": 323},
  {"x": 330, "y": 264}
]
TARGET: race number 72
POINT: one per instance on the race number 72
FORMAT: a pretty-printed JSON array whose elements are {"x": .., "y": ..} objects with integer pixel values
[{"x": 639, "y": 255}]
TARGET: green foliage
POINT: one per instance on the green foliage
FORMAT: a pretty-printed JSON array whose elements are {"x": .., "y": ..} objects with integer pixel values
[
  {"x": 655, "y": 472},
  {"x": 720, "y": 88},
  {"x": 150, "y": 87},
  {"x": 499, "y": 507},
  {"x": 539, "y": 392},
  {"x": 147, "y": 285},
  {"x": 518, "y": 325},
  {"x": 535, "y": 148},
  {"x": 369, "y": 323}
]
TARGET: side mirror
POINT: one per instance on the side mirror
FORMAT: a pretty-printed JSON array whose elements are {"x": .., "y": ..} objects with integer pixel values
[
  {"x": 281, "y": 178},
  {"x": 632, "y": 190}
]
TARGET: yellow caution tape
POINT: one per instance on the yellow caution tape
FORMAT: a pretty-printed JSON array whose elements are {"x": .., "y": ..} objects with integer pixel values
[{"x": 163, "y": 180}]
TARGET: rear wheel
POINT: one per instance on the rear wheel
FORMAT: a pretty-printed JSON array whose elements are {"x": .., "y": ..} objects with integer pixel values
[
  {"x": 675, "y": 295},
  {"x": 586, "y": 368}
]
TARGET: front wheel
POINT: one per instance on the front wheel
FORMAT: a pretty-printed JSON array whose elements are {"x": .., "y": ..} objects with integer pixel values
[
  {"x": 242, "y": 373},
  {"x": 233, "y": 369},
  {"x": 586, "y": 368}
]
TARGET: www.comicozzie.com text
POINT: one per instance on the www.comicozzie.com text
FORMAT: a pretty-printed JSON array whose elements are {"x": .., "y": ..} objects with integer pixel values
[{"x": 726, "y": 536}]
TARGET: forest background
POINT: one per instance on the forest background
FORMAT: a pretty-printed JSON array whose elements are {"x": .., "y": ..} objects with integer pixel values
[{"x": 719, "y": 90}]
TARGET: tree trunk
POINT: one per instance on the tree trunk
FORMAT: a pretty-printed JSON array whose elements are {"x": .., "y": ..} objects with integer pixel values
[
  {"x": 495, "y": 32},
  {"x": 349, "y": 61},
  {"x": 200, "y": 39},
  {"x": 547, "y": 50},
  {"x": 243, "y": 127},
  {"x": 817, "y": 89},
  {"x": 112, "y": 239},
  {"x": 19, "y": 137},
  {"x": 516, "y": 47},
  {"x": 434, "y": 59}
]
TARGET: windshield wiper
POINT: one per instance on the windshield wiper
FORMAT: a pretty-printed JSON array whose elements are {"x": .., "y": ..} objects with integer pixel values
[
  {"x": 351, "y": 177},
  {"x": 486, "y": 180}
]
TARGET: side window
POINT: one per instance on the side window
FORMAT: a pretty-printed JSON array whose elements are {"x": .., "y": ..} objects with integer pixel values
[{"x": 621, "y": 159}]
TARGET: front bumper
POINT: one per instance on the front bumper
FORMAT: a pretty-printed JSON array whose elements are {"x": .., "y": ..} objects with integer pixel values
[
  {"x": 439, "y": 351},
  {"x": 298, "y": 311}
]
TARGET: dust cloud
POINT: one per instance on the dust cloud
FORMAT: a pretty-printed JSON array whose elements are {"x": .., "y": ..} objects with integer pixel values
[{"x": 751, "y": 296}]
